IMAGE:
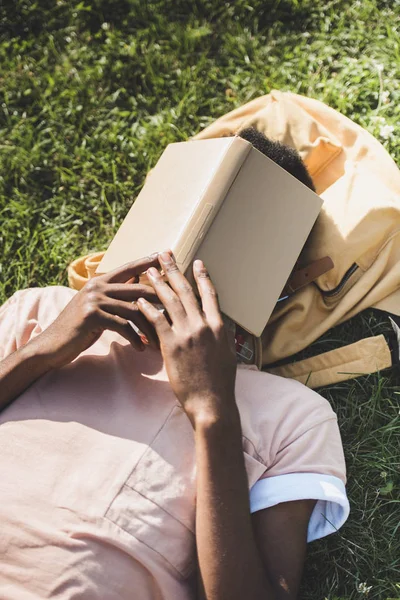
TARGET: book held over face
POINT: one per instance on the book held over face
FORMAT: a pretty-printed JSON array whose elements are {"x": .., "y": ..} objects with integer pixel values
[{"x": 222, "y": 201}]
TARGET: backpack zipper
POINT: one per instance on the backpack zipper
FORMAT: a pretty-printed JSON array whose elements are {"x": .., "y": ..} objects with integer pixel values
[{"x": 343, "y": 282}]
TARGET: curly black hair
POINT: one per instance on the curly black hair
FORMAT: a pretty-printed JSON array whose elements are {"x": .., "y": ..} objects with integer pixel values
[{"x": 284, "y": 156}]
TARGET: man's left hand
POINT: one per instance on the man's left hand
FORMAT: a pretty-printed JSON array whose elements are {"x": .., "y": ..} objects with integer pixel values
[{"x": 200, "y": 363}]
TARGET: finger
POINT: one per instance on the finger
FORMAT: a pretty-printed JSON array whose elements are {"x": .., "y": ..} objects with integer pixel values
[
  {"x": 131, "y": 269},
  {"x": 208, "y": 293},
  {"x": 179, "y": 284},
  {"x": 121, "y": 326},
  {"x": 146, "y": 328},
  {"x": 130, "y": 292},
  {"x": 167, "y": 296},
  {"x": 130, "y": 311},
  {"x": 155, "y": 317}
]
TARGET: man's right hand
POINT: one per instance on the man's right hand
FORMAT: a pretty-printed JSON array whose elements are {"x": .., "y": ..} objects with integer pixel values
[{"x": 105, "y": 302}]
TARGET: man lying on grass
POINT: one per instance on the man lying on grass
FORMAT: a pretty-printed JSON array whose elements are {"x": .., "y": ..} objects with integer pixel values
[{"x": 159, "y": 470}]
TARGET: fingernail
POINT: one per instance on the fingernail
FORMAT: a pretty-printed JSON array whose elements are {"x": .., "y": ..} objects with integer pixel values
[
  {"x": 198, "y": 265},
  {"x": 141, "y": 301},
  {"x": 152, "y": 272},
  {"x": 166, "y": 258}
]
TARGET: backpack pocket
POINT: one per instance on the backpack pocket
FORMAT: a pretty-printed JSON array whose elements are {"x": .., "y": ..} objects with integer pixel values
[{"x": 350, "y": 278}]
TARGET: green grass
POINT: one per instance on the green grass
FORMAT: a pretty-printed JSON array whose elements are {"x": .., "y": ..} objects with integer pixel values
[{"x": 91, "y": 93}]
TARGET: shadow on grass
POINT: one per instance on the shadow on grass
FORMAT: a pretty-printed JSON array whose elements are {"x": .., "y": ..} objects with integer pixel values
[{"x": 27, "y": 17}]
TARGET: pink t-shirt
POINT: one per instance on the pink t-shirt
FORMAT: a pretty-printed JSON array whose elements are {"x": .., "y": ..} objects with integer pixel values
[{"x": 97, "y": 467}]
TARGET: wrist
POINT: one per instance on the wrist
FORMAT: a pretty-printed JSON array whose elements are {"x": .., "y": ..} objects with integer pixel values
[
  {"x": 219, "y": 434},
  {"x": 208, "y": 414}
]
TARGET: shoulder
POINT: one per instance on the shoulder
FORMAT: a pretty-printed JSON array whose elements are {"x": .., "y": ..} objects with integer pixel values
[
  {"x": 275, "y": 412},
  {"x": 28, "y": 312},
  {"x": 261, "y": 393},
  {"x": 295, "y": 434},
  {"x": 55, "y": 297}
]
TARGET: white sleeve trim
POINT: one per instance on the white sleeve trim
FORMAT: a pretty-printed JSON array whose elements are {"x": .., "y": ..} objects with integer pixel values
[{"x": 332, "y": 507}]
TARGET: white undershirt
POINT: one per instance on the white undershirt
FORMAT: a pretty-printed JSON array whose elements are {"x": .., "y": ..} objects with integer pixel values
[{"x": 332, "y": 507}]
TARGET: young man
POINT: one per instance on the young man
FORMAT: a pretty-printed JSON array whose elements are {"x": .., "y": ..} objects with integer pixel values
[{"x": 125, "y": 469}]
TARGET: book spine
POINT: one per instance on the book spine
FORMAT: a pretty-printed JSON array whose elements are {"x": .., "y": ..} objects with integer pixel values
[{"x": 211, "y": 201}]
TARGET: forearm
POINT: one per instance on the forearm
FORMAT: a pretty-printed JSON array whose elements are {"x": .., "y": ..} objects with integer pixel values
[
  {"x": 19, "y": 370},
  {"x": 229, "y": 562}
]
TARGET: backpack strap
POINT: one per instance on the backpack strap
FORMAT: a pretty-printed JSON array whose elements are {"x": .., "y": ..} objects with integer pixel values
[
  {"x": 300, "y": 277},
  {"x": 361, "y": 358}
]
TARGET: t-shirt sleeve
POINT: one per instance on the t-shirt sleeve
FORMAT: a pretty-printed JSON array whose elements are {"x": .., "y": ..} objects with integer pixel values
[
  {"x": 27, "y": 313},
  {"x": 311, "y": 467},
  {"x": 16, "y": 324}
]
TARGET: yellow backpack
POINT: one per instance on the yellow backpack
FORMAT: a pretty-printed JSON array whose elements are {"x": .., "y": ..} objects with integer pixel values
[{"x": 358, "y": 228}]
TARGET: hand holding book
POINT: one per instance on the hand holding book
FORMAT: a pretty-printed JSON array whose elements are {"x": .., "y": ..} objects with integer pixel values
[{"x": 200, "y": 362}]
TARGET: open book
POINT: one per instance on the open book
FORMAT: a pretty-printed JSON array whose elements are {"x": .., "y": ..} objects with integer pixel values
[{"x": 222, "y": 201}]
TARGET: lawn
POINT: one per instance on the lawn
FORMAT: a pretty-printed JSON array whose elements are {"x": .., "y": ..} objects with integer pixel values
[{"x": 90, "y": 94}]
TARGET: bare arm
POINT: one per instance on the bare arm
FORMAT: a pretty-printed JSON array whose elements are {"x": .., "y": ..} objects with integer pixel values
[
  {"x": 281, "y": 535},
  {"x": 230, "y": 564},
  {"x": 247, "y": 556},
  {"x": 234, "y": 555},
  {"x": 19, "y": 370}
]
